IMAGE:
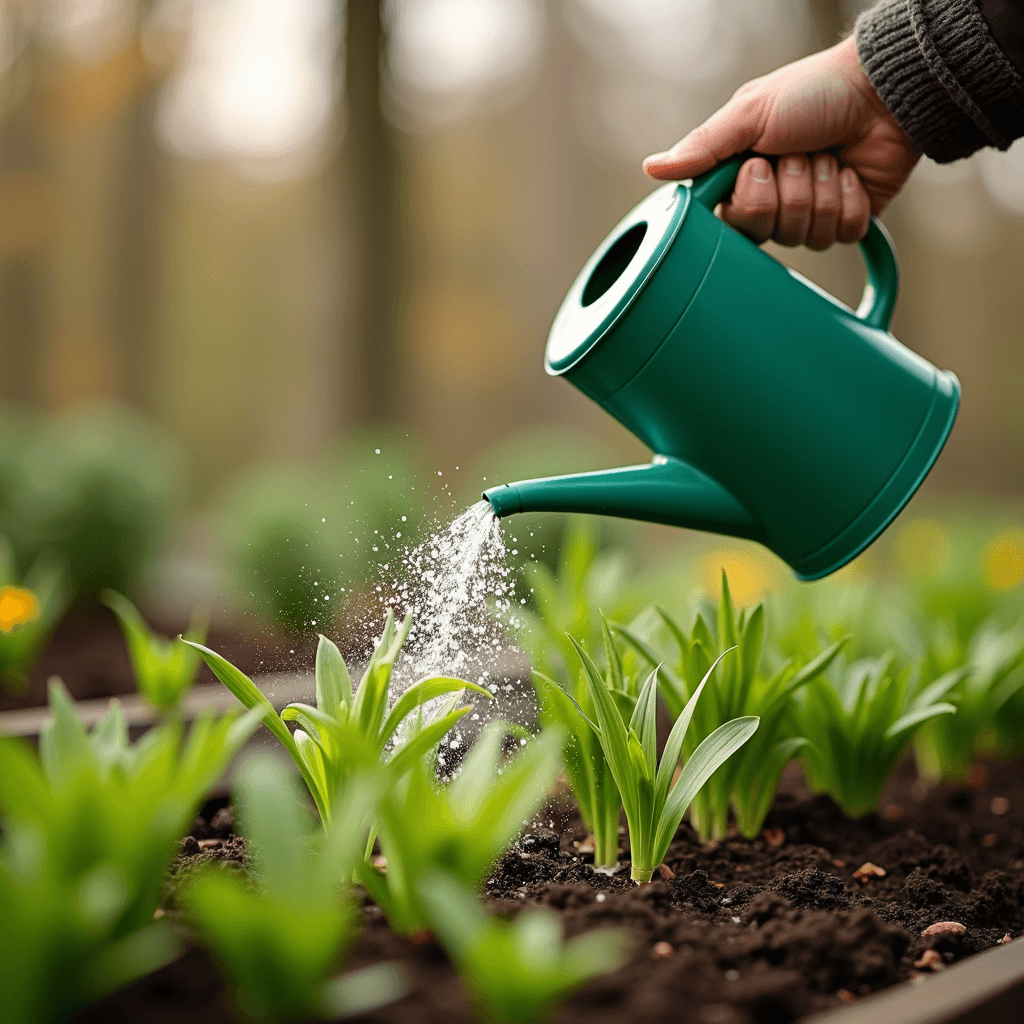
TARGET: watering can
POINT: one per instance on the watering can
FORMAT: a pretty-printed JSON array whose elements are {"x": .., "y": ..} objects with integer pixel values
[{"x": 776, "y": 413}]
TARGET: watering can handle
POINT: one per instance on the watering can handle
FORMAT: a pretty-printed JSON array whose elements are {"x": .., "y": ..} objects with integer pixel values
[{"x": 876, "y": 305}]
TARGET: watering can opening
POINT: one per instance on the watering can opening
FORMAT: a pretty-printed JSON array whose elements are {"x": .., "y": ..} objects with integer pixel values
[{"x": 613, "y": 264}]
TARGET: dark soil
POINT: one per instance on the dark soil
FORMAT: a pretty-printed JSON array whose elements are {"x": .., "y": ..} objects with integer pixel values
[
  {"x": 87, "y": 651},
  {"x": 764, "y": 931}
]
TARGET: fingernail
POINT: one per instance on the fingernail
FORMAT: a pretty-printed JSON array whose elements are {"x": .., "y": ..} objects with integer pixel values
[
  {"x": 760, "y": 171},
  {"x": 656, "y": 158},
  {"x": 848, "y": 183},
  {"x": 823, "y": 174},
  {"x": 794, "y": 165}
]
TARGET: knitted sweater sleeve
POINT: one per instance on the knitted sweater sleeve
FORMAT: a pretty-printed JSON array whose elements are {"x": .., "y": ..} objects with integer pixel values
[{"x": 941, "y": 72}]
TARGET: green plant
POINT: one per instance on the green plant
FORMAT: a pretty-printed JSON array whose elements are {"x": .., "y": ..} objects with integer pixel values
[
  {"x": 164, "y": 669},
  {"x": 742, "y": 687},
  {"x": 88, "y": 827},
  {"x": 295, "y": 535},
  {"x": 463, "y": 826},
  {"x": 586, "y": 767},
  {"x": 347, "y": 730},
  {"x": 654, "y": 801},
  {"x": 517, "y": 972},
  {"x": 97, "y": 486},
  {"x": 858, "y": 720},
  {"x": 280, "y": 936},
  {"x": 987, "y": 678},
  {"x": 28, "y": 614},
  {"x": 567, "y": 603}
]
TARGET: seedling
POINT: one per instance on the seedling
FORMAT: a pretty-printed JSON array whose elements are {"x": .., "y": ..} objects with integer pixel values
[
  {"x": 463, "y": 827},
  {"x": 29, "y": 610},
  {"x": 988, "y": 678},
  {"x": 654, "y": 802},
  {"x": 567, "y": 603},
  {"x": 747, "y": 782},
  {"x": 164, "y": 669},
  {"x": 279, "y": 940},
  {"x": 859, "y": 725},
  {"x": 517, "y": 972},
  {"x": 88, "y": 827},
  {"x": 348, "y": 730},
  {"x": 588, "y": 771}
]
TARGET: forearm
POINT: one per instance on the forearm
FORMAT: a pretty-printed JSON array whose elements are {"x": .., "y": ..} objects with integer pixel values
[{"x": 947, "y": 71}]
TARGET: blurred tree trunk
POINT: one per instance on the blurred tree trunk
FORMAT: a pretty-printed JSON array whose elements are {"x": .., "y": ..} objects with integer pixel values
[
  {"x": 21, "y": 253},
  {"x": 374, "y": 212},
  {"x": 135, "y": 256}
]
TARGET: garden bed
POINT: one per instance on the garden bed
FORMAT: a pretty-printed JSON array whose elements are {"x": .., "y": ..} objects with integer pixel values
[
  {"x": 767, "y": 931},
  {"x": 87, "y": 651}
]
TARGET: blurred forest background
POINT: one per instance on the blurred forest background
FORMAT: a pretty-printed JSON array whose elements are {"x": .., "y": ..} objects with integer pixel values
[{"x": 287, "y": 233}]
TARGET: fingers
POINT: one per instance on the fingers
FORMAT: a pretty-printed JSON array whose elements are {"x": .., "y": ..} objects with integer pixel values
[
  {"x": 806, "y": 202},
  {"x": 755, "y": 201},
  {"x": 827, "y": 204},
  {"x": 796, "y": 200},
  {"x": 856, "y": 207}
]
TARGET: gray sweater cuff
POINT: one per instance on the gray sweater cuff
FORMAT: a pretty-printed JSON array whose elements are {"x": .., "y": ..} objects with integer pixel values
[{"x": 937, "y": 68}]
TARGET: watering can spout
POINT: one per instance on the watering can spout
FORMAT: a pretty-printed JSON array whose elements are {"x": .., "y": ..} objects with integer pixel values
[{"x": 666, "y": 490}]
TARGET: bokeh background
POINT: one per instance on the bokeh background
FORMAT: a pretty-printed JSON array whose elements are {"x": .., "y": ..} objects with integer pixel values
[{"x": 275, "y": 273}]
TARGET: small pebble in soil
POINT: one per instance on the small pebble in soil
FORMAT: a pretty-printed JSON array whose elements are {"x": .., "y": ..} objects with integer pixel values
[
  {"x": 666, "y": 872},
  {"x": 601, "y": 897},
  {"x": 931, "y": 960},
  {"x": 774, "y": 836},
  {"x": 1006, "y": 938},
  {"x": 893, "y": 813},
  {"x": 661, "y": 950},
  {"x": 732, "y": 975},
  {"x": 867, "y": 871},
  {"x": 1000, "y": 805},
  {"x": 989, "y": 840},
  {"x": 945, "y": 928},
  {"x": 846, "y": 995}
]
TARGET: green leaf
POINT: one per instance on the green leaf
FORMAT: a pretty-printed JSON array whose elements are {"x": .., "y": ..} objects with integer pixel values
[
  {"x": 252, "y": 697},
  {"x": 703, "y": 763},
  {"x": 915, "y": 717},
  {"x": 423, "y": 740},
  {"x": 751, "y": 644},
  {"x": 674, "y": 744},
  {"x": 333, "y": 686},
  {"x": 612, "y": 731},
  {"x": 63, "y": 744},
  {"x": 616, "y": 679},
  {"x": 419, "y": 693},
  {"x": 644, "y": 723}
]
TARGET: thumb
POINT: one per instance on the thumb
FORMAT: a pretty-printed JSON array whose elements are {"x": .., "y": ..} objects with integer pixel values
[{"x": 728, "y": 131}]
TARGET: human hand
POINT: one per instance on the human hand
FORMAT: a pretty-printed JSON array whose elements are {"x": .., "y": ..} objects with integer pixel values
[{"x": 822, "y": 102}]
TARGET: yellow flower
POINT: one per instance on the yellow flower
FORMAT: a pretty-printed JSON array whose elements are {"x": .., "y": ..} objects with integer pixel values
[
  {"x": 750, "y": 578},
  {"x": 17, "y": 606},
  {"x": 1003, "y": 560}
]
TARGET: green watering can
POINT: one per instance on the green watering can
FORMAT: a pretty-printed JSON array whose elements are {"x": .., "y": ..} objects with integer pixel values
[{"x": 777, "y": 413}]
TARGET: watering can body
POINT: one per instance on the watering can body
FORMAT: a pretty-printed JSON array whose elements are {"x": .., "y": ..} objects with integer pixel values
[{"x": 776, "y": 413}]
